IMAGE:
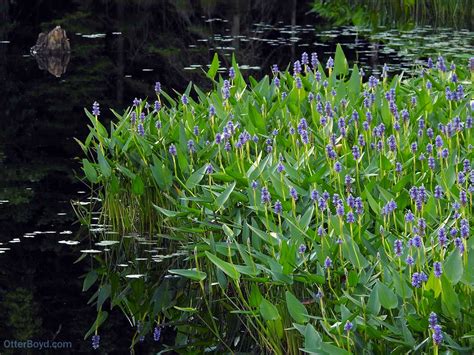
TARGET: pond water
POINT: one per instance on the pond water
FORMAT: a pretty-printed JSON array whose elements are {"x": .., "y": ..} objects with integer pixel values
[{"x": 118, "y": 52}]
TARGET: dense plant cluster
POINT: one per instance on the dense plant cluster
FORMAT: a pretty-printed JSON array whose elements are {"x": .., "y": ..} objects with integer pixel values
[{"x": 317, "y": 211}]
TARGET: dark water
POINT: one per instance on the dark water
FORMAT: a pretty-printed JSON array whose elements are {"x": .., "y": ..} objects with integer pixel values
[{"x": 118, "y": 52}]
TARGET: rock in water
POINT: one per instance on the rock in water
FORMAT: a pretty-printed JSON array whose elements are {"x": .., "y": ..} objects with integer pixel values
[
  {"x": 53, "y": 41},
  {"x": 52, "y": 51}
]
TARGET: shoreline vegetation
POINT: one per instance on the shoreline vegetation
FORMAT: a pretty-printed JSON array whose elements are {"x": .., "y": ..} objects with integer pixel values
[{"x": 316, "y": 210}]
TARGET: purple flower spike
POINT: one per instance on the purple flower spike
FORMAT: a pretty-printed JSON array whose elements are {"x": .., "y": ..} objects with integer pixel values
[
  {"x": 231, "y": 73},
  {"x": 278, "y": 207},
  {"x": 95, "y": 108},
  {"x": 437, "y": 269},
  {"x": 350, "y": 218},
  {"x": 280, "y": 167},
  {"x": 416, "y": 280},
  {"x": 328, "y": 263},
  {"x": 302, "y": 249},
  {"x": 157, "y": 106},
  {"x": 330, "y": 63},
  {"x": 141, "y": 130},
  {"x": 433, "y": 319},
  {"x": 304, "y": 58},
  {"x": 340, "y": 210},
  {"x": 294, "y": 194},
  {"x": 265, "y": 198},
  {"x": 437, "y": 335},
  {"x": 172, "y": 150},
  {"x": 315, "y": 61},
  {"x": 459, "y": 245},
  {"x": 438, "y": 192},
  {"x": 296, "y": 67},
  {"x": 398, "y": 247},
  {"x": 95, "y": 341},
  {"x": 298, "y": 83},
  {"x": 158, "y": 87},
  {"x": 157, "y": 334},
  {"x": 348, "y": 327},
  {"x": 356, "y": 152}
]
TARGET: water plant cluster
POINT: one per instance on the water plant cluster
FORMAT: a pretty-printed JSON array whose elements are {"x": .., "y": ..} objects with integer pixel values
[{"x": 316, "y": 210}]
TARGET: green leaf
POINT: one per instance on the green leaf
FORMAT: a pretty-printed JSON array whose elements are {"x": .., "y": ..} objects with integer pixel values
[
  {"x": 89, "y": 280},
  {"x": 103, "y": 164},
  {"x": 296, "y": 309},
  {"x": 224, "y": 196},
  {"x": 166, "y": 212},
  {"x": 264, "y": 236},
  {"x": 228, "y": 231},
  {"x": 312, "y": 339},
  {"x": 255, "y": 296},
  {"x": 226, "y": 267},
  {"x": 104, "y": 293},
  {"x": 214, "y": 67},
  {"x": 373, "y": 304},
  {"x": 161, "y": 174},
  {"x": 138, "y": 188},
  {"x": 192, "y": 274},
  {"x": 89, "y": 170},
  {"x": 372, "y": 203},
  {"x": 453, "y": 267},
  {"x": 450, "y": 298},
  {"x": 340, "y": 62},
  {"x": 434, "y": 284},
  {"x": 268, "y": 310},
  {"x": 353, "y": 85},
  {"x": 388, "y": 299},
  {"x": 186, "y": 309},
  {"x": 101, "y": 317},
  {"x": 195, "y": 177},
  {"x": 333, "y": 350},
  {"x": 256, "y": 118}
]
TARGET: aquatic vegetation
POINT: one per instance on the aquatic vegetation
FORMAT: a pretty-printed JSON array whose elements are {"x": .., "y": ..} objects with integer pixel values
[
  {"x": 403, "y": 14},
  {"x": 309, "y": 211}
]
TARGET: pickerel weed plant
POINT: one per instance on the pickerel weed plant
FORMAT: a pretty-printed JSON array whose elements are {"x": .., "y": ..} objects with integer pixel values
[{"x": 311, "y": 211}]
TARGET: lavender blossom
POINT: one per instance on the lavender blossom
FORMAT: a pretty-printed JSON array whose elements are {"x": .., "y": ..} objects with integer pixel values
[
  {"x": 95, "y": 109},
  {"x": 437, "y": 269},
  {"x": 278, "y": 207},
  {"x": 437, "y": 335},
  {"x": 398, "y": 247},
  {"x": 95, "y": 341},
  {"x": 265, "y": 196},
  {"x": 294, "y": 194}
]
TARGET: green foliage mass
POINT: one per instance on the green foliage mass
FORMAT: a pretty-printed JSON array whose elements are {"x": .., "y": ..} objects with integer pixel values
[{"x": 287, "y": 213}]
